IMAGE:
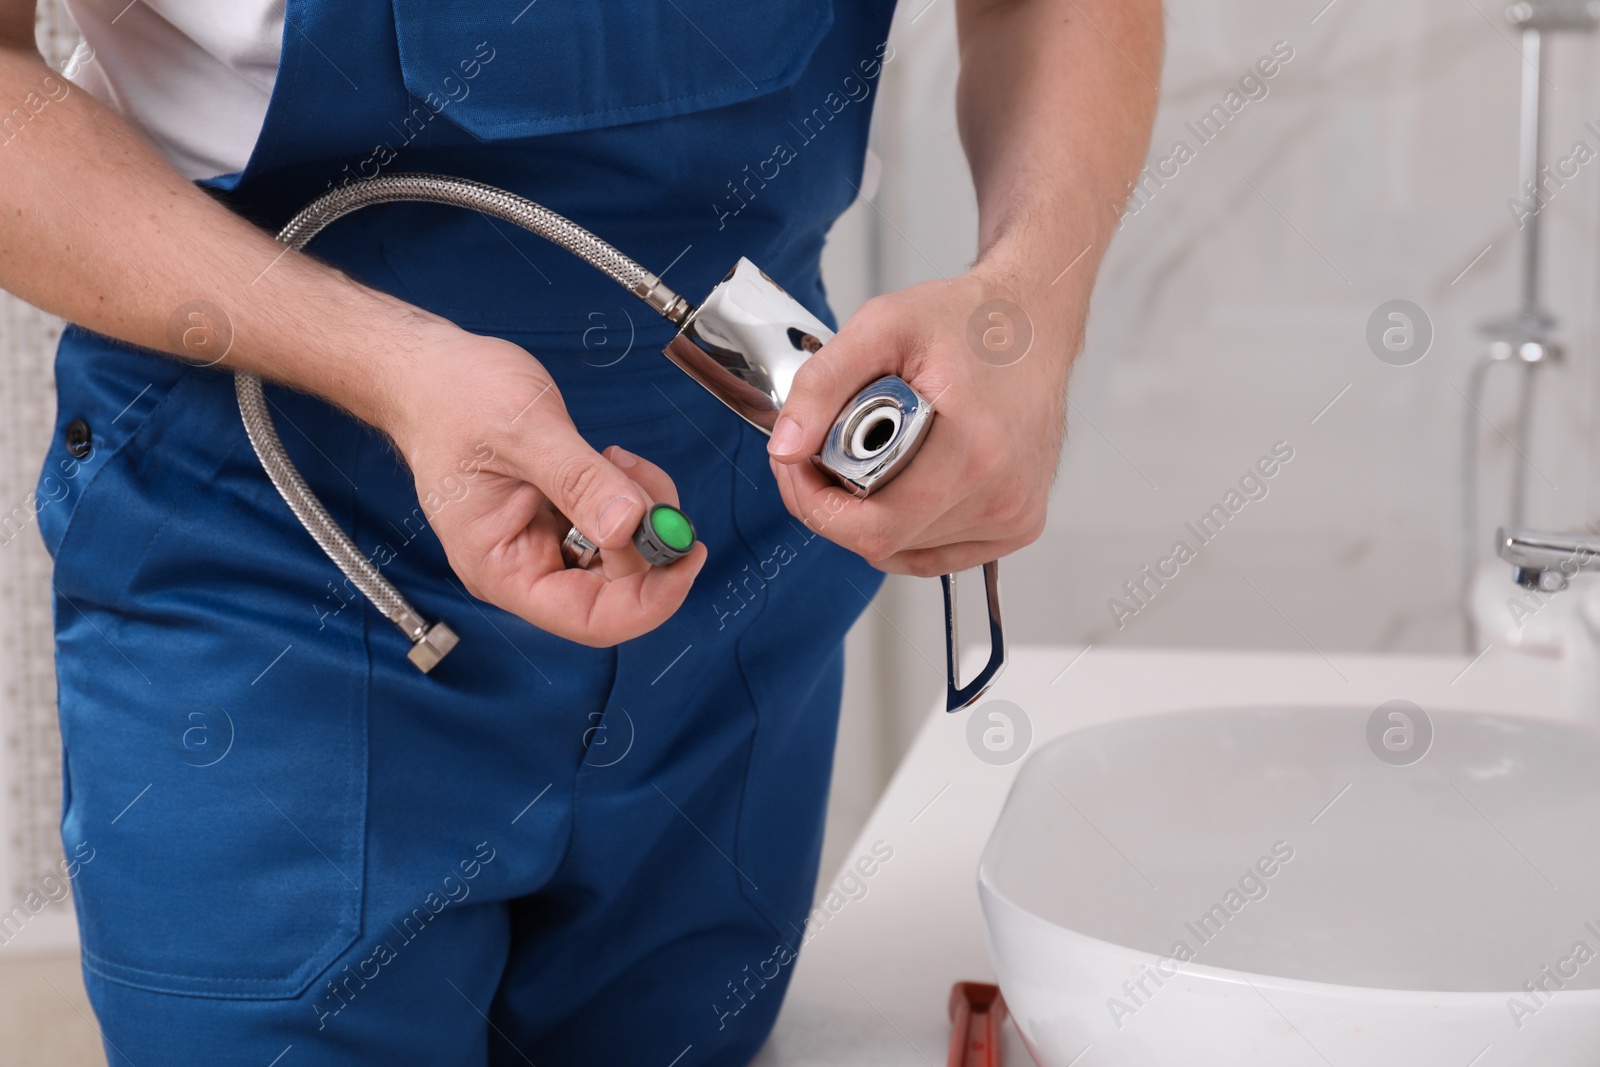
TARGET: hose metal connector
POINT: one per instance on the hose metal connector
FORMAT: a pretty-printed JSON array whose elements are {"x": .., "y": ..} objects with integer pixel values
[
  {"x": 433, "y": 645},
  {"x": 662, "y": 300}
]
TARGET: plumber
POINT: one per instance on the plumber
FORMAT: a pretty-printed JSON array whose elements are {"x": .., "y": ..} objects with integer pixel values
[{"x": 229, "y": 902}]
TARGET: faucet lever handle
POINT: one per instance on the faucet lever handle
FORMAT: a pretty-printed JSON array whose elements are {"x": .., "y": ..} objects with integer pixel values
[{"x": 958, "y": 696}]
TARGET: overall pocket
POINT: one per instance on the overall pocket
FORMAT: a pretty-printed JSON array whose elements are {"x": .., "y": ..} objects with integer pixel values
[
  {"x": 214, "y": 733},
  {"x": 559, "y": 68},
  {"x": 105, "y": 391}
]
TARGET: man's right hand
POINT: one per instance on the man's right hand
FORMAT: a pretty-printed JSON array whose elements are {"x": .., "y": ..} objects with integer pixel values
[
  {"x": 486, "y": 434},
  {"x": 96, "y": 227}
]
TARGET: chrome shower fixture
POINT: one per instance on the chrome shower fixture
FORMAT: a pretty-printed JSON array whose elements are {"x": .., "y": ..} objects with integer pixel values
[
  {"x": 1524, "y": 338},
  {"x": 745, "y": 343}
]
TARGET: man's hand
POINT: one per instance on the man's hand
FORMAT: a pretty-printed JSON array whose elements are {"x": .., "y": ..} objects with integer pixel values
[
  {"x": 85, "y": 190},
  {"x": 976, "y": 490},
  {"x": 1054, "y": 104},
  {"x": 488, "y": 416}
]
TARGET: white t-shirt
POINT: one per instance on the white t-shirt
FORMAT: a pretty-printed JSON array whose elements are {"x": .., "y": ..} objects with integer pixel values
[{"x": 194, "y": 75}]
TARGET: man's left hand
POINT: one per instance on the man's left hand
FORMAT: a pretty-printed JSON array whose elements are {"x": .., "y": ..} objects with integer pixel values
[{"x": 978, "y": 487}]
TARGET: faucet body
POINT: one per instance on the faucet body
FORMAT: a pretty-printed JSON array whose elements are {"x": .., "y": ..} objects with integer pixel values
[
  {"x": 1525, "y": 338},
  {"x": 1546, "y": 561}
]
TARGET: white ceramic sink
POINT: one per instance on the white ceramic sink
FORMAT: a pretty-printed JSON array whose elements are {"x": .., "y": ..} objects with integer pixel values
[{"x": 1380, "y": 915}]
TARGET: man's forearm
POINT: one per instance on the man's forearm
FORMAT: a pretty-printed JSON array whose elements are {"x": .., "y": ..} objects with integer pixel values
[
  {"x": 95, "y": 226},
  {"x": 1055, "y": 102}
]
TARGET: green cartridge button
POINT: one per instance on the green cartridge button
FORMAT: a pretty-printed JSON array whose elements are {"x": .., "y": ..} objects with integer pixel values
[
  {"x": 673, "y": 527},
  {"x": 665, "y": 535}
]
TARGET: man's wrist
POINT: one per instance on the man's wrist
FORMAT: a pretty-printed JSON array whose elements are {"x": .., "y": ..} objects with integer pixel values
[
  {"x": 400, "y": 366},
  {"x": 379, "y": 371},
  {"x": 1051, "y": 282}
]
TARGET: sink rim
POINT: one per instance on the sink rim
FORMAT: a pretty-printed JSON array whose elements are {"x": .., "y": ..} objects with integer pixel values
[
  {"x": 1231, "y": 976},
  {"x": 989, "y": 892}
]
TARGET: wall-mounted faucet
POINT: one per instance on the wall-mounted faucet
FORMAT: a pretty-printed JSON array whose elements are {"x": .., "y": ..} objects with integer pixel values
[
  {"x": 1546, "y": 561},
  {"x": 1524, "y": 339}
]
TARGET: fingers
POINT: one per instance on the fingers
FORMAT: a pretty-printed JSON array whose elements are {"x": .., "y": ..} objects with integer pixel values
[
  {"x": 619, "y": 596},
  {"x": 587, "y": 607},
  {"x": 602, "y": 500},
  {"x": 528, "y": 577},
  {"x": 946, "y": 559},
  {"x": 868, "y": 348},
  {"x": 899, "y": 515},
  {"x": 503, "y": 538},
  {"x": 1013, "y": 512},
  {"x": 657, "y": 485}
]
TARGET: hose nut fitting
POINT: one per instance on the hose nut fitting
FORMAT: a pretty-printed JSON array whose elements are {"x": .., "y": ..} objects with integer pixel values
[{"x": 434, "y": 645}]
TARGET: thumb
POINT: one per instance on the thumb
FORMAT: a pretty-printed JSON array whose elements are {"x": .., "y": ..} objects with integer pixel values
[
  {"x": 864, "y": 351},
  {"x": 603, "y": 503}
]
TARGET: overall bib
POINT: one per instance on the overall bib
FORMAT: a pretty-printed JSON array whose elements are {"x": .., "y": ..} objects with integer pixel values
[{"x": 289, "y": 842}]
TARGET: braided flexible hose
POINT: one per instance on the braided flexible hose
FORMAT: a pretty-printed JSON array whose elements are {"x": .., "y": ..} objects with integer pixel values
[{"x": 257, "y": 418}]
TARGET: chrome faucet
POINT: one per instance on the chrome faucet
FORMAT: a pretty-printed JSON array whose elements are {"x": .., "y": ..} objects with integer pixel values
[
  {"x": 744, "y": 343},
  {"x": 1524, "y": 339},
  {"x": 1546, "y": 561}
]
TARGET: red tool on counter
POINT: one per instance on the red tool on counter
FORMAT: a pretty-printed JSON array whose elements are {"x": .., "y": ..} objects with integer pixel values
[{"x": 976, "y": 1011}]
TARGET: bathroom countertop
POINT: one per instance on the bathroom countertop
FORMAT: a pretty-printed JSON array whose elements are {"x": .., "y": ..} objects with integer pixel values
[{"x": 871, "y": 984}]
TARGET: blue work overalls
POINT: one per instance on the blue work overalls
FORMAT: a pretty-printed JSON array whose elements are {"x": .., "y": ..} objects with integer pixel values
[{"x": 300, "y": 846}]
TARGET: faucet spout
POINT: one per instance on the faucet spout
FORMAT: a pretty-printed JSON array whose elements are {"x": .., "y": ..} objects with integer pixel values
[{"x": 1546, "y": 561}]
